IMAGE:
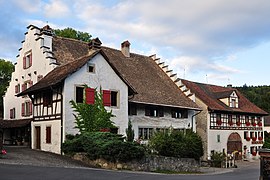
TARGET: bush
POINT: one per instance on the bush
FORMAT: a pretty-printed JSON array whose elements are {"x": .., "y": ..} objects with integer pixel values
[
  {"x": 217, "y": 158},
  {"x": 177, "y": 144},
  {"x": 104, "y": 145}
]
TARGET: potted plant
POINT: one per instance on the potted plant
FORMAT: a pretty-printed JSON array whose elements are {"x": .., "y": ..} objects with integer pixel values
[
  {"x": 247, "y": 123},
  {"x": 248, "y": 138},
  {"x": 3, "y": 153}
]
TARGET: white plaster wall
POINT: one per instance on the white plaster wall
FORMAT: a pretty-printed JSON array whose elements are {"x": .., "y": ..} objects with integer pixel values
[
  {"x": 40, "y": 64},
  {"x": 142, "y": 121},
  {"x": 55, "y": 144},
  {"x": 105, "y": 77}
]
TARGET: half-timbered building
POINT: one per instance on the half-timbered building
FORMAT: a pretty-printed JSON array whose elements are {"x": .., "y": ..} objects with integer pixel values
[
  {"x": 135, "y": 87},
  {"x": 229, "y": 122}
]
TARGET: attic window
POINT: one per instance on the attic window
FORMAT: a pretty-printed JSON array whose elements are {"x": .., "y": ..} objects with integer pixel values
[
  {"x": 27, "y": 60},
  {"x": 91, "y": 68}
]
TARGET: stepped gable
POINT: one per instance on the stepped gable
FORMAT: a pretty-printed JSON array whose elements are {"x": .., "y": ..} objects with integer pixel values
[{"x": 210, "y": 95}]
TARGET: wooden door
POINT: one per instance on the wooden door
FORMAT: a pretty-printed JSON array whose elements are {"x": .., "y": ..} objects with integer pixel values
[
  {"x": 37, "y": 145},
  {"x": 234, "y": 145}
]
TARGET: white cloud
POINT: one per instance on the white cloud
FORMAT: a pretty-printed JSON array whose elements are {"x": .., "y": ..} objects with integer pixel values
[
  {"x": 56, "y": 9},
  {"x": 29, "y": 6}
]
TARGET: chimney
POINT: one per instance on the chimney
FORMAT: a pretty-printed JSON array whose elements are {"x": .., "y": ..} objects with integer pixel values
[
  {"x": 47, "y": 30},
  {"x": 125, "y": 48},
  {"x": 229, "y": 85},
  {"x": 95, "y": 44}
]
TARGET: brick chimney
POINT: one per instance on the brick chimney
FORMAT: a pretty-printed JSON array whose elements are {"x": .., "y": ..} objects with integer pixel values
[
  {"x": 95, "y": 44},
  {"x": 125, "y": 48}
]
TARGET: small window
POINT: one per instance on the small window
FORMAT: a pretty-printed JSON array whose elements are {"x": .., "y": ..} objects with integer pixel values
[
  {"x": 47, "y": 98},
  {"x": 218, "y": 138},
  {"x": 27, "y": 60},
  {"x": 27, "y": 109},
  {"x": 179, "y": 113},
  {"x": 114, "y": 98},
  {"x": 145, "y": 133},
  {"x": 154, "y": 111},
  {"x": 48, "y": 134},
  {"x": 91, "y": 68},
  {"x": 79, "y": 94},
  {"x": 12, "y": 113},
  {"x": 132, "y": 109}
]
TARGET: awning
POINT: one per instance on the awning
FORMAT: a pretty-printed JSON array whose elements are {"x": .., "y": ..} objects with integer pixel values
[{"x": 14, "y": 123}]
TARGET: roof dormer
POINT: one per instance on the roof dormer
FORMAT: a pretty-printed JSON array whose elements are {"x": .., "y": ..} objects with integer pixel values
[{"x": 233, "y": 100}]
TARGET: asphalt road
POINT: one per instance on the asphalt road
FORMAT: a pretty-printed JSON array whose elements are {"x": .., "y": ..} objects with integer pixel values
[{"x": 23, "y": 163}]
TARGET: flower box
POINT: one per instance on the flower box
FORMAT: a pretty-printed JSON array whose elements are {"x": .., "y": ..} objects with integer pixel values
[
  {"x": 260, "y": 138},
  {"x": 238, "y": 123},
  {"x": 247, "y": 123},
  {"x": 260, "y": 124},
  {"x": 254, "y": 138},
  {"x": 248, "y": 138},
  {"x": 254, "y": 153},
  {"x": 254, "y": 124},
  {"x": 230, "y": 123},
  {"x": 219, "y": 122}
]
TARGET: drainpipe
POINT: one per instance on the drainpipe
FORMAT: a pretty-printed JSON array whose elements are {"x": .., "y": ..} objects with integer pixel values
[{"x": 193, "y": 117}]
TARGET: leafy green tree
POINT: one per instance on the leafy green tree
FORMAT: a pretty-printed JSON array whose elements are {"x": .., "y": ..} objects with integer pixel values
[
  {"x": 6, "y": 69},
  {"x": 92, "y": 117},
  {"x": 72, "y": 33},
  {"x": 130, "y": 132}
]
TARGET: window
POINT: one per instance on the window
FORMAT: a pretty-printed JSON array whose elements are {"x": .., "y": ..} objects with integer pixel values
[
  {"x": 27, "y": 60},
  {"x": 17, "y": 88},
  {"x": 218, "y": 138},
  {"x": 145, "y": 133},
  {"x": 91, "y": 68},
  {"x": 114, "y": 98},
  {"x": 47, "y": 98},
  {"x": 79, "y": 94},
  {"x": 110, "y": 98},
  {"x": 27, "y": 109},
  {"x": 24, "y": 86},
  {"x": 12, "y": 113},
  {"x": 179, "y": 113},
  {"x": 154, "y": 111},
  {"x": 233, "y": 103},
  {"x": 132, "y": 109},
  {"x": 48, "y": 134}
]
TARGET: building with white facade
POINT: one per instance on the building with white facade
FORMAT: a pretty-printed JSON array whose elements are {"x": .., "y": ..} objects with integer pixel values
[
  {"x": 51, "y": 71},
  {"x": 229, "y": 122}
]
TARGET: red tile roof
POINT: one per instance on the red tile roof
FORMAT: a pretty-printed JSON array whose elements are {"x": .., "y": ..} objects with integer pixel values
[{"x": 210, "y": 95}]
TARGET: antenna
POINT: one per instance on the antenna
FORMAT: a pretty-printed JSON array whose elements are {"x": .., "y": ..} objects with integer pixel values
[
  {"x": 206, "y": 78},
  {"x": 184, "y": 72}
]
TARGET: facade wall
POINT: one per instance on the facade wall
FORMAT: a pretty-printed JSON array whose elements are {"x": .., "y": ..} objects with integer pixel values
[
  {"x": 55, "y": 144},
  {"x": 142, "y": 121},
  {"x": 103, "y": 77},
  {"x": 38, "y": 45},
  {"x": 202, "y": 126}
]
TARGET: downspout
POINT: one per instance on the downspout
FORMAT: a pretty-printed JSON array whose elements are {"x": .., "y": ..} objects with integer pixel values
[
  {"x": 61, "y": 137},
  {"x": 193, "y": 117}
]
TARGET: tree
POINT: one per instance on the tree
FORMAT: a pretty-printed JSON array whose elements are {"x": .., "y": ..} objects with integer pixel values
[
  {"x": 6, "y": 69},
  {"x": 72, "y": 33},
  {"x": 130, "y": 132},
  {"x": 92, "y": 117}
]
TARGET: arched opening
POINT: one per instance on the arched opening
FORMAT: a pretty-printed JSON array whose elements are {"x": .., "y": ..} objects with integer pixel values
[{"x": 234, "y": 145}]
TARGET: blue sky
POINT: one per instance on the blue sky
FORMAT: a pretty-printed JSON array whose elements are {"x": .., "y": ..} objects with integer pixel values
[{"x": 210, "y": 41}]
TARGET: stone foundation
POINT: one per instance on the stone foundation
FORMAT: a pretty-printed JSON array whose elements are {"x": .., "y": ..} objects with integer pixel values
[{"x": 148, "y": 163}]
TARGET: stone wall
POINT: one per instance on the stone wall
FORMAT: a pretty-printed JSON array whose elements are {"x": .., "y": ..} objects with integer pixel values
[{"x": 149, "y": 163}]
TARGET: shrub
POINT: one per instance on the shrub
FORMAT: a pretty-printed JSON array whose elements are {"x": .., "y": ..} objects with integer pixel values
[
  {"x": 108, "y": 146},
  {"x": 217, "y": 158},
  {"x": 177, "y": 144}
]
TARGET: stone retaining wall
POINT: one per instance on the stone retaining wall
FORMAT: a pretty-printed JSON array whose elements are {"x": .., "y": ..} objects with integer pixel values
[{"x": 149, "y": 163}]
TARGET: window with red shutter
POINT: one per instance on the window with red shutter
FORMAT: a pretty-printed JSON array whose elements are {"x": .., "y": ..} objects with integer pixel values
[
  {"x": 90, "y": 95},
  {"x": 23, "y": 109},
  {"x": 16, "y": 89},
  {"x": 106, "y": 97}
]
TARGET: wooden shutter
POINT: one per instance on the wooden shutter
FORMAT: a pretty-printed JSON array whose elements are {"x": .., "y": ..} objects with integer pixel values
[
  {"x": 23, "y": 109},
  {"x": 147, "y": 111},
  {"x": 30, "y": 60},
  {"x": 160, "y": 112},
  {"x": 90, "y": 95},
  {"x": 48, "y": 134},
  {"x": 16, "y": 89},
  {"x": 106, "y": 97},
  {"x": 24, "y": 62}
]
